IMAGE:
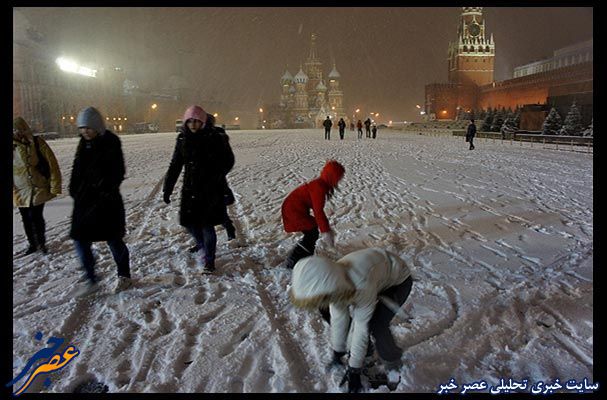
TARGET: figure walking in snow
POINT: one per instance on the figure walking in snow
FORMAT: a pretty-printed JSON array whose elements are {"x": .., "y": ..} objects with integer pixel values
[
  {"x": 327, "y": 124},
  {"x": 368, "y": 127},
  {"x": 207, "y": 157},
  {"x": 359, "y": 126},
  {"x": 342, "y": 128},
  {"x": 470, "y": 133},
  {"x": 228, "y": 196},
  {"x": 296, "y": 208},
  {"x": 98, "y": 213},
  {"x": 374, "y": 131},
  {"x": 352, "y": 126},
  {"x": 36, "y": 180},
  {"x": 366, "y": 288}
]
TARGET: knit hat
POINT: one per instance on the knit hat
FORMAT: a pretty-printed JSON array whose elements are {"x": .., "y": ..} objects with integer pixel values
[
  {"x": 318, "y": 281},
  {"x": 90, "y": 117},
  {"x": 20, "y": 124},
  {"x": 195, "y": 112}
]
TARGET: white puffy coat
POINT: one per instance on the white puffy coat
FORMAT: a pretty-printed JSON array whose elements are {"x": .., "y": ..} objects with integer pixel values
[{"x": 368, "y": 272}]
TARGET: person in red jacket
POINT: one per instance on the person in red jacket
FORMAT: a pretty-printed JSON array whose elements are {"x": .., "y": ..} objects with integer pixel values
[{"x": 296, "y": 211}]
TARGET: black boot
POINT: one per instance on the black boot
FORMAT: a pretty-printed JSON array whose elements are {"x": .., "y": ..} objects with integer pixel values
[
  {"x": 30, "y": 249},
  {"x": 295, "y": 255}
]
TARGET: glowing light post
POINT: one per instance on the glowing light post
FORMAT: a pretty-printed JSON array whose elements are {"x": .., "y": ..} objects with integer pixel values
[
  {"x": 261, "y": 120},
  {"x": 153, "y": 108},
  {"x": 422, "y": 112}
]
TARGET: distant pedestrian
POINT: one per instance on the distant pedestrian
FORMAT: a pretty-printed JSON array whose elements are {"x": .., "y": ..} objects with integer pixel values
[
  {"x": 342, "y": 127},
  {"x": 98, "y": 214},
  {"x": 36, "y": 180},
  {"x": 310, "y": 196},
  {"x": 374, "y": 131},
  {"x": 471, "y": 133},
  {"x": 368, "y": 127},
  {"x": 328, "y": 124},
  {"x": 363, "y": 290},
  {"x": 206, "y": 157},
  {"x": 359, "y": 126},
  {"x": 352, "y": 126}
]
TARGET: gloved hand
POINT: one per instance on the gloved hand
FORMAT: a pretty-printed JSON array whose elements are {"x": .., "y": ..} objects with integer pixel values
[
  {"x": 336, "y": 360},
  {"x": 166, "y": 197},
  {"x": 329, "y": 238},
  {"x": 352, "y": 376}
]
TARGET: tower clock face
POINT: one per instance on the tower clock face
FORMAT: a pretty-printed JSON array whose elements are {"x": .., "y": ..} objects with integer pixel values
[{"x": 474, "y": 29}]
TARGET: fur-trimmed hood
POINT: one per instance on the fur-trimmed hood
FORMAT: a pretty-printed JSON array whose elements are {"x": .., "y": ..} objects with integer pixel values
[{"x": 319, "y": 281}]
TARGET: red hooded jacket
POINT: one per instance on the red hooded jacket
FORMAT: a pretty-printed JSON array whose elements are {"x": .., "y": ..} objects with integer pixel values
[{"x": 311, "y": 196}]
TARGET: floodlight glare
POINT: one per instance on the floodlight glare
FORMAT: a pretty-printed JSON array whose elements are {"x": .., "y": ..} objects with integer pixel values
[{"x": 71, "y": 66}]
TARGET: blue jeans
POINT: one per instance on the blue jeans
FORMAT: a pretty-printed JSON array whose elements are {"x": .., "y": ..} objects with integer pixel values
[
  {"x": 119, "y": 251},
  {"x": 206, "y": 239}
]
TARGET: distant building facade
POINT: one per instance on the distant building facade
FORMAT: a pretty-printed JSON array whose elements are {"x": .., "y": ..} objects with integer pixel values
[
  {"x": 49, "y": 98},
  {"x": 307, "y": 98},
  {"x": 554, "y": 82}
]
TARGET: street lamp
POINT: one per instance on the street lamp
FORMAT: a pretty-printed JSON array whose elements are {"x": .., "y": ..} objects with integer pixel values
[
  {"x": 261, "y": 122},
  {"x": 154, "y": 106}
]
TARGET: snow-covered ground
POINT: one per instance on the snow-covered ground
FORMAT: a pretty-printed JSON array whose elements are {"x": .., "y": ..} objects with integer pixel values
[{"x": 500, "y": 239}]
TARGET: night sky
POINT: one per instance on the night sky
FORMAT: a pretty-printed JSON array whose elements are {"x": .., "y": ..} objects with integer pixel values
[{"x": 237, "y": 55}]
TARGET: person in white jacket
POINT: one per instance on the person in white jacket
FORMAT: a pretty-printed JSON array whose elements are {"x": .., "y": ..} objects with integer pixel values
[{"x": 365, "y": 288}]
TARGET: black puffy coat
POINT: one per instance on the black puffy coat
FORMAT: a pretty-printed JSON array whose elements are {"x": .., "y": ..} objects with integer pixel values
[
  {"x": 206, "y": 157},
  {"x": 97, "y": 173}
]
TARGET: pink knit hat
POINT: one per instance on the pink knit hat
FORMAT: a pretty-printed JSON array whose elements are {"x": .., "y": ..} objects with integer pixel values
[{"x": 195, "y": 112}]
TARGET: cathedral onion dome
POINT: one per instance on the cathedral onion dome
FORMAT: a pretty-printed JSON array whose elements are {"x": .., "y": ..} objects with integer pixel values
[
  {"x": 334, "y": 74},
  {"x": 321, "y": 86},
  {"x": 287, "y": 77},
  {"x": 301, "y": 77},
  {"x": 292, "y": 89}
]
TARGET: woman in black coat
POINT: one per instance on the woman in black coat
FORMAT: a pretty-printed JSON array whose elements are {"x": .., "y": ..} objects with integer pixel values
[
  {"x": 206, "y": 157},
  {"x": 98, "y": 214}
]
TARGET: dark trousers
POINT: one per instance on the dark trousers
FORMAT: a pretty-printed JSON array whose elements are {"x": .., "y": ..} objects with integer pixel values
[
  {"x": 360, "y": 133},
  {"x": 119, "y": 251},
  {"x": 304, "y": 248},
  {"x": 341, "y": 134},
  {"x": 368, "y": 132},
  {"x": 374, "y": 134},
  {"x": 33, "y": 224},
  {"x": 379, "y": 326},
  {"x": 206, "y": 239},
  {"x": 471, "y": 144},
  {"x": 328, "y": 133}
]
